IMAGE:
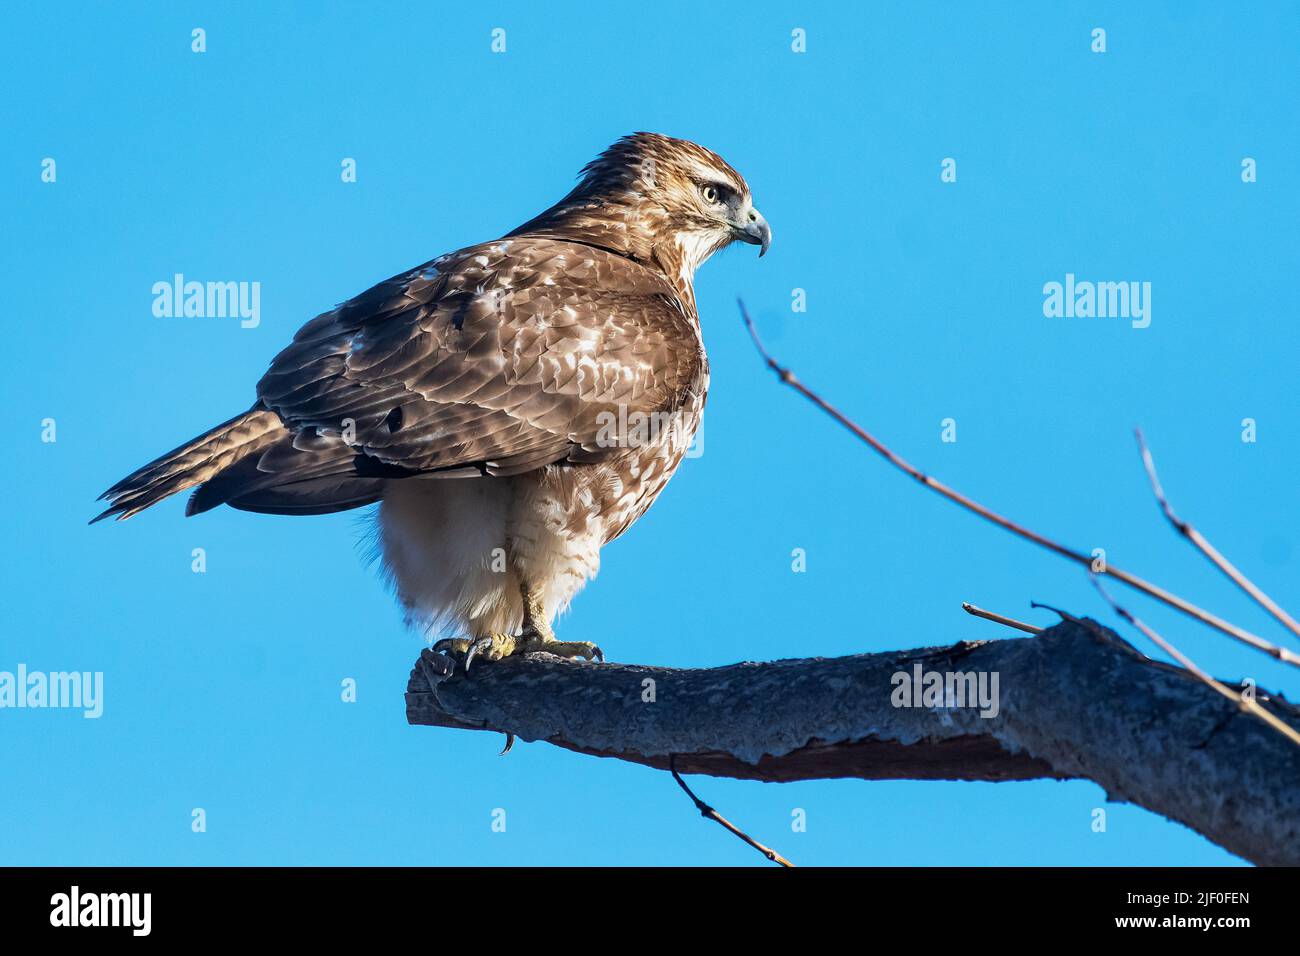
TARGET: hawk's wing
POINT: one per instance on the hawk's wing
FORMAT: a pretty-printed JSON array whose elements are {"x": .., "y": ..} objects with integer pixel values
[{"x": 494, "y": 360}]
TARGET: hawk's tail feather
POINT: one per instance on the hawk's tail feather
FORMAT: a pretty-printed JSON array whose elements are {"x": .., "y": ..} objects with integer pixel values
[{"x": 192, "y": 463}]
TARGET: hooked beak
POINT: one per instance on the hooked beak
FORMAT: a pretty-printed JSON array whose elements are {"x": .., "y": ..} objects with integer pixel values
[{"x": 755, "y": 231}]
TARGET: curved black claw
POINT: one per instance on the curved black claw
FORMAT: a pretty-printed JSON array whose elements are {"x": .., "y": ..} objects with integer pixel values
[
  {"x": 444, "y": 645},
  {"x": 475, "y": 646},
  {"x": 510, "y": 742}
]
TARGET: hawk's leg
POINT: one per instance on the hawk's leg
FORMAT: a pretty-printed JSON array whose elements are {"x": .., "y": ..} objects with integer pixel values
[{"x": 536, "y": 635}]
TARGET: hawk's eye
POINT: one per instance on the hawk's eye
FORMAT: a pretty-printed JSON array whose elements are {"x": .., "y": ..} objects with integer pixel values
[{"x": 710, "y": 193}]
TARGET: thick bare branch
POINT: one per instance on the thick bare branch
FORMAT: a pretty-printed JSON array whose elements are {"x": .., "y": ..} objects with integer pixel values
[{"x": 1075, "y": 701}]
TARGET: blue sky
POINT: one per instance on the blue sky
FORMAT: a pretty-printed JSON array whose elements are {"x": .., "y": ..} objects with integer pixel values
[{"x": 924, "y": 302}]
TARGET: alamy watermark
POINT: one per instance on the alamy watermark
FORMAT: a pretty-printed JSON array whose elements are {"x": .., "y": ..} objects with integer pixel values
[
  {"x": 217, "y": 300},
  {"x": 1073, "y": 299},
  {"x": 74, "y": 908},
  {"x": 72, "y": 690},
  {"x": 946, "y": 689},
  {"x": 636, "y": 429}
]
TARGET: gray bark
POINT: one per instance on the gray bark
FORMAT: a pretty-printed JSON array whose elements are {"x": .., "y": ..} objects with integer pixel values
[{"x": 1075, "y": 701}]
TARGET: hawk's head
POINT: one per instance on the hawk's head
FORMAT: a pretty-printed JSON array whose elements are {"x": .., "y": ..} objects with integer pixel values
[{"x": 660, "y": 200}]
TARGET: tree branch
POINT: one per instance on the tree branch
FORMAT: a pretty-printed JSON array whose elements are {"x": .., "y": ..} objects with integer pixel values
[
  {"x": 1074, "y": 702},
  {"x": 1000, "y": 619},
  {"x": 709, "y": 813},
  {"x": 787, "y": 377},
  {"x": 1238, "y": 699},
  {"x": 1199, "y": 542}
]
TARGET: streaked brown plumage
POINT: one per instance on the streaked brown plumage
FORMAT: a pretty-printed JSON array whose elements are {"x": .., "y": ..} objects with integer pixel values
[{"x": 495, "y": 370}]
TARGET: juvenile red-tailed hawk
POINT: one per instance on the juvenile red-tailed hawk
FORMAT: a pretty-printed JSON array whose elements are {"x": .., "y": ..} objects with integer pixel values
[{"x": 513, "y": 406}]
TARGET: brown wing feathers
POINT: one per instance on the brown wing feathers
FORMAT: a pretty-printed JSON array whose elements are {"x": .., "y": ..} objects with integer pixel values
[{"x": 495, "y": 360}]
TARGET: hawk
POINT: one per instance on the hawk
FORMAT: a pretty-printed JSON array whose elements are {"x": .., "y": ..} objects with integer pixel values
[{"x": 513, "y": 406}]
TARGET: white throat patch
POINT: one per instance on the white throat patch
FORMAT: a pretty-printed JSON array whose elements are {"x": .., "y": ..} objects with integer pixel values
[{"x": 696, "y": 247}]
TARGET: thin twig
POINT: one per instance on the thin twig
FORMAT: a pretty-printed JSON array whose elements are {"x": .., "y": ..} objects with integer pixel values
[
  {"x": 1160, "y": 594},
  {"x": 711, "y": 814},
  {"x": 1063, "y": 615},
  {"x": 1245, "y": 703},
  {"x": 1207, "y": 549},
  {"x": 998, "y": 618}
]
